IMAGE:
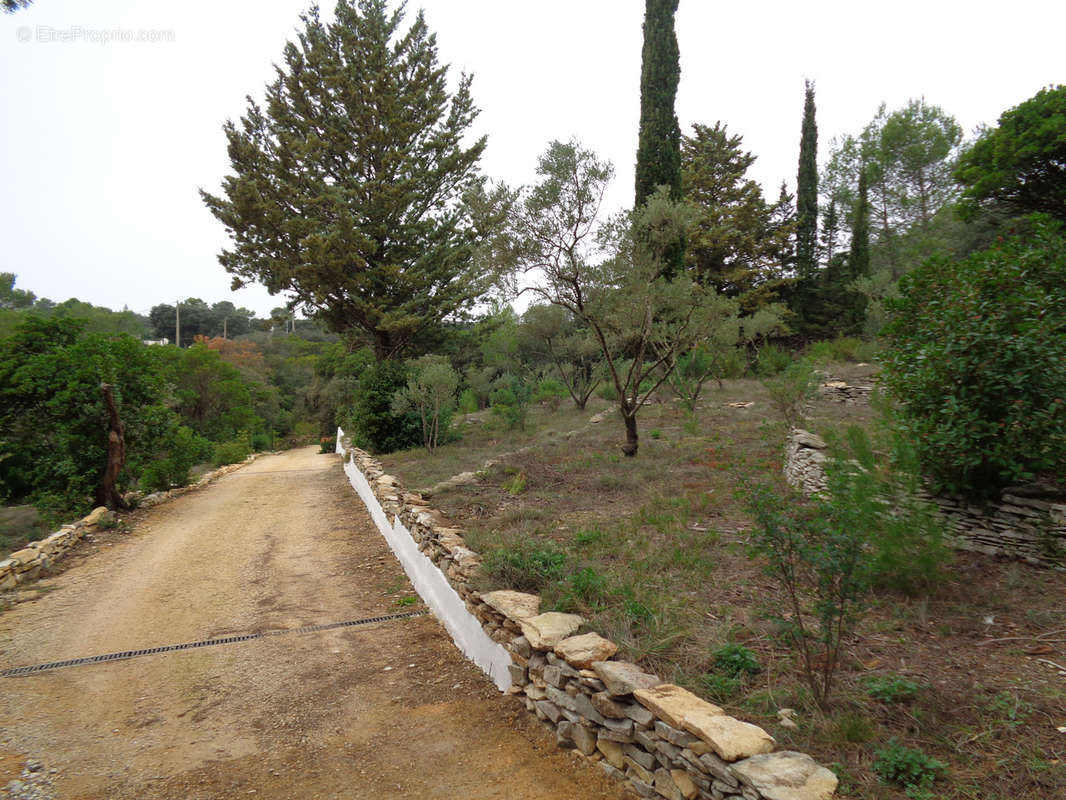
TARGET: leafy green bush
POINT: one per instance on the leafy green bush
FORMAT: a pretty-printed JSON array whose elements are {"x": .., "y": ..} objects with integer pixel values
[
  {"x": 525, "y": 565},
  {"x": 510, "y": 403},
  {"x": 771, "y": 360},
  {"x": 261, "y": 441},
  {"x": 977, "y": 362},
  {"x": 817, "y": 552},
  {"x": 178, "y": 452},
  {"x": 842, "y": 349},
  {"x": 890, "y": 688},
  {"x": 791, "y": 389},
  {"x": 467, "y": 402},
  {"x": 549, "y": 392},
  {"x": 735, "y": 660},
  {"x": 372, "y": 423},
  {"x": 231, "y": 452},
  {"x": 906, "y": 767},
  {"x": 430, "y": 394}
]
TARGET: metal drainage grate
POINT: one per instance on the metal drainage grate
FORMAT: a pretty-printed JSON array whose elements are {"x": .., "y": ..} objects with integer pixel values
[{"x": 74, "y": 662}]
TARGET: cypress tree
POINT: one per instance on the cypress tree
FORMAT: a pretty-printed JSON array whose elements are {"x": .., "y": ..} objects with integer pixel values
[
  {"x": 859, "y": 258},
  {"x": 659, "y": 145},
  {"x": 659, "y": 142},
  {"x": 807, "y": 191}
]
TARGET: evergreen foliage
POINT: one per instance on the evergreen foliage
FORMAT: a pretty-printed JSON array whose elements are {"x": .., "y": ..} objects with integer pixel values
[
  {"x": 659, "y": 145},
  {"x": 977, "y": 363},
  {"x": 53, "y": 419},
  {"x": 372, "y": 422},
  {"x": 738, "y": 245},
  {"x": 353, "y": 189},
  {"x": 659, "y": 137},
  {"x": 807, "y": 191},
  {"x": 1019, "y": 167}
]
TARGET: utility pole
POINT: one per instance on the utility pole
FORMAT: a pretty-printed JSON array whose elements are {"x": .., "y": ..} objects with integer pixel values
[
  {"x": 224, "y": 321},
  {"x": 177, "y": 322}
]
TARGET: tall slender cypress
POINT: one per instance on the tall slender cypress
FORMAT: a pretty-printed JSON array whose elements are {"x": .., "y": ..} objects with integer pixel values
[
  {"x": 859, "y": 258},
  {"x": 807, "y": 191},
  {"x": 659, "y": 146}
]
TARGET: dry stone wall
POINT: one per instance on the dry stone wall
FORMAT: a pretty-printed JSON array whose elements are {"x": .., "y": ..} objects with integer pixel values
[
  {"x": 1027, "y": 522},
  {"x": 36, "y": 558},
  {"x": 662, "y": 740},
  {"x": 840, "y": 392}
]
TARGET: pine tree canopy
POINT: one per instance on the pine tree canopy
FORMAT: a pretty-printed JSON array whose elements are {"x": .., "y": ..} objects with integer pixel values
[
  {"x": 735, "y": 246},
  {"x": 352, "y": 188}
]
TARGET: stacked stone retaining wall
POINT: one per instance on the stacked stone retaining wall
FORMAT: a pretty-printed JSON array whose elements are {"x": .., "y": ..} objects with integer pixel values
[
  {"x": 1027, "y": 522},
  {"x": 662, "y": 740}
]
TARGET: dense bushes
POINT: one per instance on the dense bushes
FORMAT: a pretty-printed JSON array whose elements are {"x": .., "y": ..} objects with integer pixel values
[
  {"x": 371, "y": 421},
  {"x": 977, "y": 363},
  {"x": 53, "y": 420}
]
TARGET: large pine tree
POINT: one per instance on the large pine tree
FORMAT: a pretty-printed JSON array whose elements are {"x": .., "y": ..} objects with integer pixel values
[
  {"x": 659, "y": 145},
  {"x": 807, "y": 192},
  {"x": 349, "y": 189}
]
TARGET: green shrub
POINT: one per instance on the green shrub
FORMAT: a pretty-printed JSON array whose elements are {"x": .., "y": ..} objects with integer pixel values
[
  {"x": 261, "y": 441},
  {"x": 735, "y": 660},
  {"x": 818, "y": 551},
  {"x": 510, "y": 403},
  {"x": 550, "y": 392},
  {"x": 906, "y": 767},
  {"x": 977, "y": 362},
  {"x": 606, "y": 391},
  {"x": 525, "y": 565},
  {"x": 890, "y": 688},
  {"x": 841, "y": 350},
  {"x": 180, "y": 449},
  {"x": 516, "y": 484},
  {"x": 372, "y": 424},
  {"x": 772, "y": 360},
  {"x": 467, "y": 402},
  {"x": 790, "y": 391},
  {"x": 231, "y": 452},
  {"x": 430, "y": 395}
]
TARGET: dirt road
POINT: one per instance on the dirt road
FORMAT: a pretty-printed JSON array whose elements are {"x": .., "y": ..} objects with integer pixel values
[{"x": 389, "y": 710}]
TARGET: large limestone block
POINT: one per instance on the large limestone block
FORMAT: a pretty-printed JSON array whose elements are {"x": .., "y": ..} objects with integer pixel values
[
  {"x": 808, "y": 439},
  {"x": 513, "y": 605},
  {"x": 786, "y": 776},
  {"x": 612, "y": 751},
  {"x": 22, "y": 557},
  {"x": 673, "y": 705},
  {"x": 544, "y": 631},
  {"x": 730, "y": 738},
  {"x": 582, "y": 651},
  {"x": 96, "y": 515},
  {"x": 621, "y": 677}
]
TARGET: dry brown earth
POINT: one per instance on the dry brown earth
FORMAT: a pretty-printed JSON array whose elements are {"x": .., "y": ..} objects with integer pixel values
[{"x": 390, "y": 710}]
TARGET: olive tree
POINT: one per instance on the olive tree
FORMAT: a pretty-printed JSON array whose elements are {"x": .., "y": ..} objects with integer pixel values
[{"x": 609, "y": 278}]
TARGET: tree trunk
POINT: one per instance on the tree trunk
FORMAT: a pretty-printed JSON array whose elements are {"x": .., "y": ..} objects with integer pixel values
[
  {"x": 629, "y": 416},
  {"x": 106, "y": 493}
]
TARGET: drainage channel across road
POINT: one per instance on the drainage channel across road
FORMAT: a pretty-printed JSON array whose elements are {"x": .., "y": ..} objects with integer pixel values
[{"x": 244, "y": 637}]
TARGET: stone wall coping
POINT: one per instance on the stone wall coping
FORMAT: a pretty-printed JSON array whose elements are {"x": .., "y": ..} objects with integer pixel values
[{"x": 661, "y": 738}]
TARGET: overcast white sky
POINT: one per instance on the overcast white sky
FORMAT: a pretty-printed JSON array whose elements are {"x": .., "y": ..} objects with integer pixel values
[{"x": 104, "y": 144}]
